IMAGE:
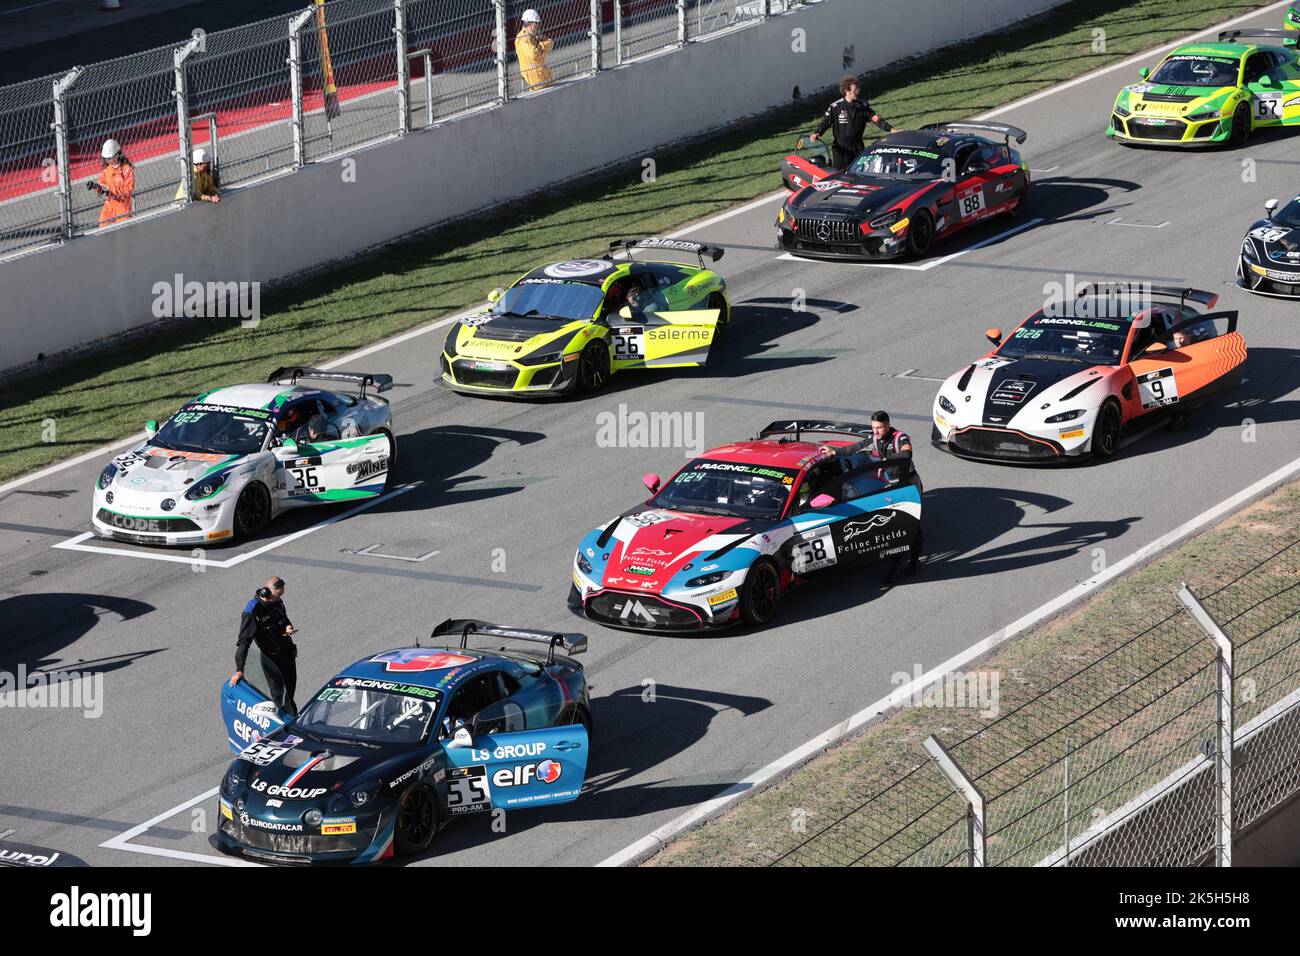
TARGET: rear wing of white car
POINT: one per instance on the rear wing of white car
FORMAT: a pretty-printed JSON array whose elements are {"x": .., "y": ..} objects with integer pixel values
[{"x": 292, "y": 375}]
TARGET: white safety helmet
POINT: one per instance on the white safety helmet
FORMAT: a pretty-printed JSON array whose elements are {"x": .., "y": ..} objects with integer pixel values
[
  {"x": 111, "y": 148},
  {"x": 531, "y": 16},
  {"x": 200, "y": 156}
]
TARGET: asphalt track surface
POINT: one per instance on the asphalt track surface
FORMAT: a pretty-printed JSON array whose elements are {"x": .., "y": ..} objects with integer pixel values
[{"x": 529, "y": 479}]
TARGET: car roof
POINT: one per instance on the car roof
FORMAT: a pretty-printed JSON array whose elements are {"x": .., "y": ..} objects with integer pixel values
[
  {"x": 442, "y": 668},
  {"x": 940, "y": 140},
  {"x": 247, "y": 396},
  {"x": 1233, "y": 50},
  {"x": 775, "y": 453}
]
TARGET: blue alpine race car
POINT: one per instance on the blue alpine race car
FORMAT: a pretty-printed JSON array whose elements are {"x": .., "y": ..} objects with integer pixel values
[{"x": 399, "y": 743}]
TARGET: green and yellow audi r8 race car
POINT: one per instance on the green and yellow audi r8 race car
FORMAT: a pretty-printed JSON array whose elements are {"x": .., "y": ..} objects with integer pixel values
[
  {"x": 569, "y": 326},
  {"x": 1203, "y": 94}
]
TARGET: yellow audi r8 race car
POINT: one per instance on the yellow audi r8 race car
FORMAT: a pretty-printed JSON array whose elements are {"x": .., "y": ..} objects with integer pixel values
[{"x": 569, "y": 326}]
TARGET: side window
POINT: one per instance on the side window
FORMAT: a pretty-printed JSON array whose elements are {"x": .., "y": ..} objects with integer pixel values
[
  {"x": 503, "y": 717},
  {"x": 295, "y": 415},
  {"x": 994, "y": 155},
  {"x": 1257, "y": 66},
  {"x": 863, "y": 478},
  {"x": 965, "y": 153},
  {"x": 476, "y": 695},
  {"x": 823, "y": 479}
]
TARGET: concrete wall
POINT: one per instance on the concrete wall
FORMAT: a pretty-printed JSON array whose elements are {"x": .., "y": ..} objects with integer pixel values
[{"x": 101, "y": 284}]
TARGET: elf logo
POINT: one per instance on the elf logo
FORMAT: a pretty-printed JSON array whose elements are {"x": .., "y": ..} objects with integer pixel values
[
  {"x": 547, "y": 772},
  {"x": 636, "y": 607}
]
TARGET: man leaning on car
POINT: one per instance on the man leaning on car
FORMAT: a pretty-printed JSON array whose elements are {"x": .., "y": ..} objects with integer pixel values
[{"x": 266, "y": 622}]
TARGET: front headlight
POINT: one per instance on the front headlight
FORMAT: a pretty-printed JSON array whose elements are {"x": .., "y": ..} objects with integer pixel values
[
  {"x": 207, "y": 487},
  {"x": 1248, "y": 250},
  {"x": 882, "y": 222},
  {"x": 107, "y": 475},
  {"x": 1065, "y": 416},
  {"x": 787, "y": 214},
  {"x": 1204, "y": 115},
  {"x": 583, "y": 564},
  {"x": 234, "y": 779},
  {"x": 947, "y": 406},
  {"x": 450, "y": 345},
  {"x": 363, "y": 794},
  {"x": 1120, "y": 111},
  {"x": 704, "y": 580},
  {"x": 542, "y": 358}
]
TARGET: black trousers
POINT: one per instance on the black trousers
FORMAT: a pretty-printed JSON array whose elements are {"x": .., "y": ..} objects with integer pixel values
[
  {"x": 843, "y": 156},
  {"x": 281, "y": 680}
]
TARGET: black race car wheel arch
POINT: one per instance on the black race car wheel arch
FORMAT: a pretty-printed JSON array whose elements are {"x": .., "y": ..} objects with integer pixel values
[
  {"x": 252, "y": 510},
  {"x": 760, "y": 593},
  {"x": 1240, "y": 126},
  {"x": 1015, "y": 210},
  {"x": 1105, "y": 439},
  {"x": 581, "y": 715},
  {"x": 920, "y": 233},
  {"x": 417, "y": 820},
  {"x": 718, "y": 301},
  {"x": 392, "y": 453},
  {"x": 593, "y": 366}
]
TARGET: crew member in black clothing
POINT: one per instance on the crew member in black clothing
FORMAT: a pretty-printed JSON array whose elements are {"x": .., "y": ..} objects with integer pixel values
[
  {"x": 886, "y": 443},
  {"x": 849, "y": 115},
  {"x": 266, "y": 622}
]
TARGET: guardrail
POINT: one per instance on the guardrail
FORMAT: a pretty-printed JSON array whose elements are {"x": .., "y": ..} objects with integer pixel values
[
  {"x": 1157, "y": 753},
  {"x": 281, "y": 93}
]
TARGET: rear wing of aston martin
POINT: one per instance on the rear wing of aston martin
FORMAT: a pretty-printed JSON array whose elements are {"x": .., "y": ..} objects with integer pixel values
[
  {"x": 1139, "y": 291},
  {"x": 569, "y": 643},
  {"x": 971, "y": 126},
  {"x": 797, "y": 428},
  {"x": 698, "y": 249},
  {"x": 1288, "y": 37},
  {"x": 292, "y": 375}
]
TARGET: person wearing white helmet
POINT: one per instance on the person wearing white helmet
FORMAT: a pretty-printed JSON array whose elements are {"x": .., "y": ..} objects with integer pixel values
[
  {"x": 206, "y": 188},
  {"x": 116, "y": 184},
  {"x": 531, "y": 48}
]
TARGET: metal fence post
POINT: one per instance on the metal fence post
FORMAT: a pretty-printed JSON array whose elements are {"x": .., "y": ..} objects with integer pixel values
[
  {"x": 295, "y": 82},
  {"x": 179, "y": 56},
  {"x": 976, "y": 846},
  {"x": 403, "y": 69},
  {"x": 618, "y": 32},
  {"x": 1066, "y": 792},
  {"x": 597, "y": 35},
  {"x": 60, "y": 127},
  {"x": 1224, "y": 745},
  {"x": 681, "y": 22},
  {"x": 503, "y": 91}
]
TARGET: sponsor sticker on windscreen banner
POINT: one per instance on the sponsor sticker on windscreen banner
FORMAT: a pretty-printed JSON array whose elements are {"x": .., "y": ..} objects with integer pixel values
[{"x": 1157, "y": 388}]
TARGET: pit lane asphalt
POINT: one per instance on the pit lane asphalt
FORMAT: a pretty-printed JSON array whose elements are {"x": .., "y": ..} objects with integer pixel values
[{"x": 529, "y": 479}]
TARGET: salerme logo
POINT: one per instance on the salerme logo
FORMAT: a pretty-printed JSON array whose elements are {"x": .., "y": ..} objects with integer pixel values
[{"x": 77, "y": 909}]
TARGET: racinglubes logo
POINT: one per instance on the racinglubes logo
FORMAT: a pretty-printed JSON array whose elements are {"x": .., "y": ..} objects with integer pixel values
[
  {"x": 975, "y": 689},
  {"x": 75, "y": 909},
  {"x": 66, "y": 690},
  {"x": 179, "y": 299},
  {"x": 626, "y": 429}
]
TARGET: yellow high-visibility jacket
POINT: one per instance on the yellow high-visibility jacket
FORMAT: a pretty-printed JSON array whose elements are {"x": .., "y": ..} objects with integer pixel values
[{"x": 531, "y": 51}]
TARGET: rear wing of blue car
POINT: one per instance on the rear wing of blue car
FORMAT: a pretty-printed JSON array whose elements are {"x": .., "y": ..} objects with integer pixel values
[
  {"x": 699, "y": 249},
  {"x": 1288, "y": 37},
  {"x": 292, "y": 375},
  {"x": 997, "y": 129},
  {"x": 567, "y": 642},
  {"x": 798, "y": 427}
]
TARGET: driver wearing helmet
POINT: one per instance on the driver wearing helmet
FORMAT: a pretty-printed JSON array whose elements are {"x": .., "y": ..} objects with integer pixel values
[{"x": 317, "y": 429}]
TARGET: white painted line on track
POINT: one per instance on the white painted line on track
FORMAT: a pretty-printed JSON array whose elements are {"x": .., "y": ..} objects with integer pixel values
[
  {"x": 75, "y": 543},
  {"x": 647, "y": 845},
  {"x": 929, "y": 263},
  {"x": 123, "y": 840}
]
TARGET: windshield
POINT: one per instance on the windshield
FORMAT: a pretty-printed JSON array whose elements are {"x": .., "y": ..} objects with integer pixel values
[
  {"x": 215, "y": 428},
  {"x": 898, "y": 162},
  {"x": 371, "y": 710},
  {"x": 1197, "y": 71},
  {"x": 728, "y": 488},
  {"x": 1289, "y": 215},
  {"x": 550, "y": 299},
  {"x": 1068, "y": 339}
]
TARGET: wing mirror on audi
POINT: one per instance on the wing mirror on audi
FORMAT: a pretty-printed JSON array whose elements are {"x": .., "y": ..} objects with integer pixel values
[
  {"x": 496, "y": 294},
  {"x": 151, "y": 426},
  {"x": 994, "y": 336},
  {"x": 822, "y": 501},
  {"x": 1270, "y": 207},
  {"x": 651, "y": 481}
]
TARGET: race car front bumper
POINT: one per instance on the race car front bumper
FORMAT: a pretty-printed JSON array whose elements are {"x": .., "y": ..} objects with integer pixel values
[
  {"x": 1004, "y": 446},
  {"x": 1168, "y": 130},
  {"x": 1266, "y": 280},
  {"x": 646, "y": 611},
  {"x": 361, "y": 838},
  {"x": 475, "y": 376},
  {"x": 843, "y": 240},
  {"x": 141, "y": 518}
]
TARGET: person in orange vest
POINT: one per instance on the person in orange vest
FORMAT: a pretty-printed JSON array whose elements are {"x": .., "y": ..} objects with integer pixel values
[
  {"x": 116, "y": 184},
  {"x": 531, "y": 48},
  {"x": 205, "y": 181}
]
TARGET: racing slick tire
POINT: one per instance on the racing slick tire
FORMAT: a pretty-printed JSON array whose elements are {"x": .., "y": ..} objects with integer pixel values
[
  {"x": 760, "y": 593},
  {"x": 1105, "y": 439},
  {"x": 719, "y": 302},
  {"x": 1240, "y": 126},
  {"x": 920, "y": 234},
  {"x": 417, "y": 821},
  {"x": 593, "y": 366},
  {"x": 392, "y": 454},
  {"x": 252, "y": 511},
  {"x": 1015, "y": 211}
]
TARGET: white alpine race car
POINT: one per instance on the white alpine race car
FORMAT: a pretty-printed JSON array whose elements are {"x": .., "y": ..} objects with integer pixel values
[
  {"x": 230, "y": 460},
  {"x": 1068, "y": 381}
]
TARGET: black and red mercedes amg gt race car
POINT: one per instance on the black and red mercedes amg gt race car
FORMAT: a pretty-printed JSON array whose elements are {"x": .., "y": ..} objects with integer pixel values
[{"x": 903, "y": 193}]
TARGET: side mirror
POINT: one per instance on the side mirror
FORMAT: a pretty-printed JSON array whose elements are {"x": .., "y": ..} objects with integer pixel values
[
  {"x": 461, "y": 739},
  {"x": 1270, "y": 207},
  {"x": 1144, "y": 72},
  {"x": 651, "y": 481},
  {"x": 822, "y": 501},
  {"x": 151, "y": 426},
  {"x": 496, "y": 294},
  {"x": 1266, "y": 80},
  {"x": 994, "y": 336},
  {"x": 288, "y": 444}
]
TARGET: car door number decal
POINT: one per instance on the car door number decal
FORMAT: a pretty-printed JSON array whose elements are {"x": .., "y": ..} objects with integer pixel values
[
  {"x": 1157, "y": 388},
  {"x": 629, "y": 344},
  {"x": 972, "y": 204},
  {"x": 815, "y": 549},
  {"x": 305, "y": 481},
  {"x": 1268, "y": 107},
  {"x": 468, "y": 790}
]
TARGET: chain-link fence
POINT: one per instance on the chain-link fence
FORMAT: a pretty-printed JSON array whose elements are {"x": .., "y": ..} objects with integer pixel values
[
  {"x": 269, "y": 96},
  {"x": 1124, "y": 762}
]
